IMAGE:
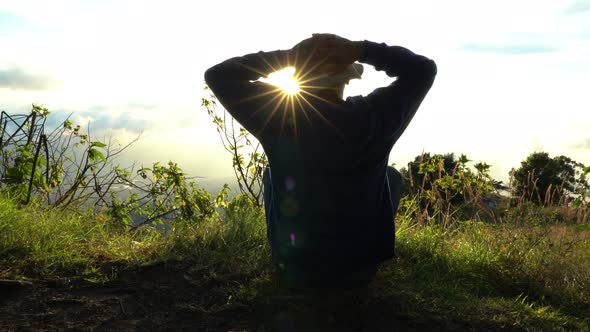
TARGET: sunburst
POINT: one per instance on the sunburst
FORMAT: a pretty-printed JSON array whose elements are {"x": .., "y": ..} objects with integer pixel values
[
  {"x": 285, "y": 80},
  {"x": 291, "y": 89}
]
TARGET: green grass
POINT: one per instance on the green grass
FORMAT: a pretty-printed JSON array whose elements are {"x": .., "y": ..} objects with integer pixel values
[
  {"x": 486, "y": 275},
  {"x": 41, "y": 242},
  {"x": 474, "y": 276}
]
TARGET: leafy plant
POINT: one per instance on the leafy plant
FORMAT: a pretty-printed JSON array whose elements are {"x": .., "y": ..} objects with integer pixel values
[
  {"x": 66, "y": 168},
  {"x": 447, "y": 189},
  {"x": 160, "y": 192},
  {"x": 248, "y": 158}
]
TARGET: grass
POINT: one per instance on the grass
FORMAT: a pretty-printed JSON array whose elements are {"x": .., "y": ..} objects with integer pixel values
[
  {"x": 478, "y": 275},
  {"x": 41, "y": 242},
  {"x": 473, "y": 276}
]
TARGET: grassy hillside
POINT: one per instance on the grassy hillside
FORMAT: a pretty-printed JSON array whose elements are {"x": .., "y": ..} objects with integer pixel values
[{"x": 470, "y": 276}]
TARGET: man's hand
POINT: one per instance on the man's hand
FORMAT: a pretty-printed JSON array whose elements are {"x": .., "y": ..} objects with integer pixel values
[
  {"x": 342, "y": 50},
  {"x": 328, "y": 49}
]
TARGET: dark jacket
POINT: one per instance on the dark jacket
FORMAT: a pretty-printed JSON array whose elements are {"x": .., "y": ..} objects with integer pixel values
[{"x": 330, "y": 204}]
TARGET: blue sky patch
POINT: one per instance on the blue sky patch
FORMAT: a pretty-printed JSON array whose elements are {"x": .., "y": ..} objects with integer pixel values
[
  {"x": 10, "y": 22},
  {"x": 579, "y": 6},
  {"x": 509, "y": 49}
]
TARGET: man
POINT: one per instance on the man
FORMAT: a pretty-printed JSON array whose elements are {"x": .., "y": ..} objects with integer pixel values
[{"x": 330, "y": 197}]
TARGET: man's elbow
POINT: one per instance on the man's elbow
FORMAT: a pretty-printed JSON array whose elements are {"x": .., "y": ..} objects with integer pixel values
[
  {"x": 426, "y": 71},
  {"x": 210, "y": 76},
  {"x": 429, "y": 68}
]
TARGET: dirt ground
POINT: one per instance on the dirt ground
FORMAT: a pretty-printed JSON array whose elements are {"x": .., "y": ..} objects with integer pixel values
[{"x": 172, "y": 298}]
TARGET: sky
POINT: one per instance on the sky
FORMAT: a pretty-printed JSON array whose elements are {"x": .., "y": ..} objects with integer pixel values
[{"x": 511, "y": 74}]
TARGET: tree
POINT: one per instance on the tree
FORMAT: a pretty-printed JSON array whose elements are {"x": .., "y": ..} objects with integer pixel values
[
  {"x": 446, "y": 187},
  {"x": 417, "y": 178},
  {"x": 548, "y": 181}
]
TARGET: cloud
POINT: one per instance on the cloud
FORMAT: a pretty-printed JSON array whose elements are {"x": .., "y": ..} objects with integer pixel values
[
  {"x": 508, "y": 49},
  {"x": 579, "y": 6},
  {"x": 101, "y": 117},
  {"x": 133, "y": 116},
  {"x": 585, "y": 144},
  {"x": 17, "y": 78}
]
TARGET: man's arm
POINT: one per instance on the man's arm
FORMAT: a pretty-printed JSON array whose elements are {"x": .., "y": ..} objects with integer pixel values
[
  {"x": 394, "y": 106},
  {"x": 232, "y": 83},
  {"x": 397, "y": 103}
]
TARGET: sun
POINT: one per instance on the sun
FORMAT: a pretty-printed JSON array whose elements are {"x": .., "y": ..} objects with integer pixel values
[{"x": 285, "y": 80}]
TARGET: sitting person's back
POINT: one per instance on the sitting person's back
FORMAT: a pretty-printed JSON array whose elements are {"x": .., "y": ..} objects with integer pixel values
[{"x": 330, "y": 198}]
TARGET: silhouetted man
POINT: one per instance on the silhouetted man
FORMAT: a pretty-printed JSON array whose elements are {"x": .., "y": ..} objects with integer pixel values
[{"x": 330, "y": 197}]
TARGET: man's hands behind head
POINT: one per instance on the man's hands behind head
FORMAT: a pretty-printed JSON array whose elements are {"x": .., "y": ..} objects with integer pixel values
[{"x": 327, "y": 51}]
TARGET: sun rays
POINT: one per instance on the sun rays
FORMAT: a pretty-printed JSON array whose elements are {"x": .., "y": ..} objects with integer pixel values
[
  {"x": 291, "y": 95},
  {"x": 285, "y": 80}
]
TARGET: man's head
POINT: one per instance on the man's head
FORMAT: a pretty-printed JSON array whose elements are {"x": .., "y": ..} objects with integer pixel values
[
  {"x": 329, "y": 76},
  {"x": 318, "y": 64}
]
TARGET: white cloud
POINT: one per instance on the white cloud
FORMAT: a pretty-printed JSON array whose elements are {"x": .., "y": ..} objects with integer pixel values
[{"x": 18, "y": 78}]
